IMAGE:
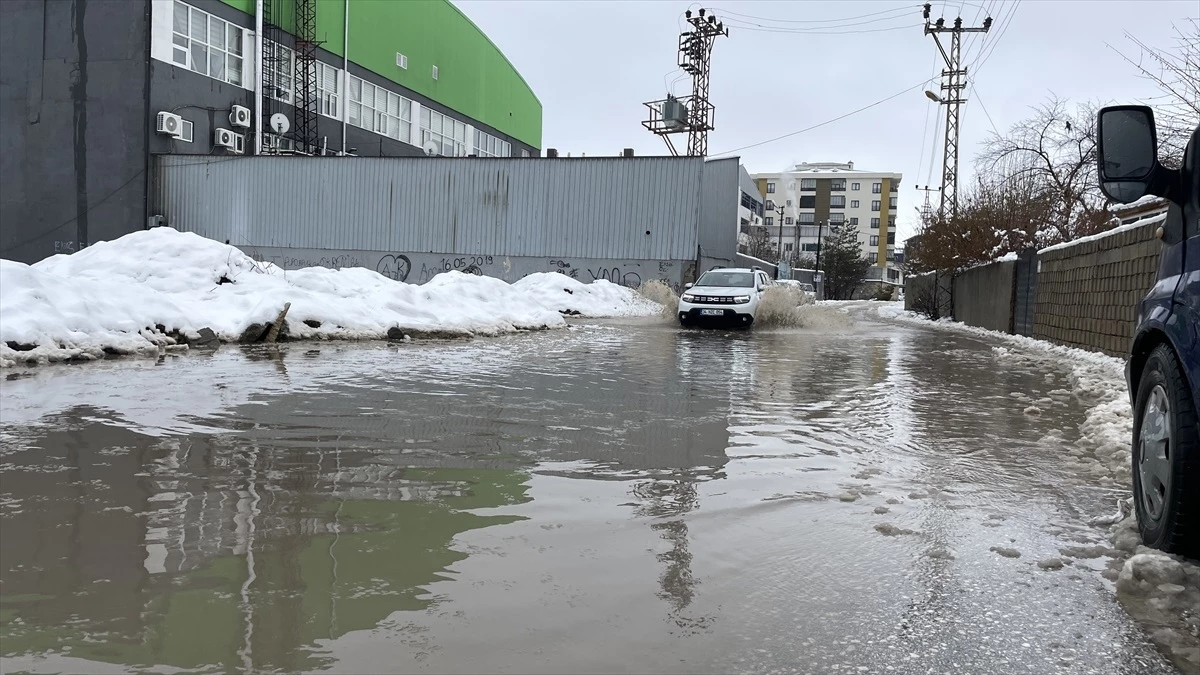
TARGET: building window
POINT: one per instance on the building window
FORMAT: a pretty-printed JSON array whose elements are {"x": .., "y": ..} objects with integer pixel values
[
  {"x": 327, "y": 90},
  {"x": 806, "y": 218},
  {"x": 876, "y": 187},
  {"x": 854, "y": 221},
  {"x": 770, "y": 188},
  {"x": 277, "y": 72},
  {"x": 854, "y": 203},
  {"x": 892, "y": 222},
  {"x": 207, "y": 45},
  {"x": 874, "y": 257},
  {"x": 874, "y": 223},
  {"x": 874, "y": 240},
  {"x": 788, "y": 247},
  {"x": 792, "y": 186},
  {"x": 838, "y": 185},
  {"x": 770, "y": 205},
  {"x": 837, "y": 202},
  {"x": 808, "y": 202},
  {"x": 789, "y": 202},
  {"x": 401, "y": 61},
  {"x": 808, "y": 184},
  {"x": 379, "y": 110},
  {"x": 892, "y": 203},
  {"x": 809, "y": 247},
  {"x": 855, "y": 187},
  {"x": 891, "y": 238},
  {"x": 787, "y": 221},
  {"x": 769, "y": 221},
  {"x": 836, "y": 219},
  {"x": 875, "y": 205},
  {"x": 435, "y": 72},
  {"x": 447, "y": 132},
  {"x": 487, "y": 145}
]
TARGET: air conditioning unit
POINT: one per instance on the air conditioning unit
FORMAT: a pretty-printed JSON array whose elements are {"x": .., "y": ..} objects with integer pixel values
[
  {"x": 239, "y": 116},
  {"x": 169, "y": 124},
  {"x": 224, "y": 138}
]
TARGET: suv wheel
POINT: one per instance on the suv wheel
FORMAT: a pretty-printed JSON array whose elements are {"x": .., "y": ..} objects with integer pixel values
[{"x": 1166, "y": 457}]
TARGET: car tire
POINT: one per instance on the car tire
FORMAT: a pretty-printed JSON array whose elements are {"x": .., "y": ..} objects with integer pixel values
[{"x": 1166, "y": 457}]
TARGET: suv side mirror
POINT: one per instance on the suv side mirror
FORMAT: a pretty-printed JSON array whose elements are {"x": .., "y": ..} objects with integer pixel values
[
  {"x": 1127, "y": 153},
  {"x": 687, "y": 286}
]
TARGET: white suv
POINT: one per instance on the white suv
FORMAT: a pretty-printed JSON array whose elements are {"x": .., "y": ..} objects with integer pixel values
[{"x": 727, "y": 296}]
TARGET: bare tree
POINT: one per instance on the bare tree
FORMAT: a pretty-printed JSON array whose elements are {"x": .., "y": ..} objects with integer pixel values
[
  {"x": 1051, "y": 156},
  {"x": 805, "y": 261},
  {"x": 1176, "y": 74},
  {"x": 760, "y": 245}
]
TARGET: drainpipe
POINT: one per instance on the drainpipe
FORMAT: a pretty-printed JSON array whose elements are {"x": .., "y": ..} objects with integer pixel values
[
  {"x": 258, "y": 77},
  {"x": 346, "y": 70}
]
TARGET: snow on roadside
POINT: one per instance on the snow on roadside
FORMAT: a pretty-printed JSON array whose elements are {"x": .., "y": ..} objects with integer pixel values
[
  {"x": 597, "y": 300},
  {"x": 1097, "y": 380},
  {"x": 135, "y": 293}
]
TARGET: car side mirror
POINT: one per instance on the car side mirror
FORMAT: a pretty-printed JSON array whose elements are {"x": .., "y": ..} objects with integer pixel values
[
  {"x": 687, "y": 286},
  {"x": 1127, "y": 152}
]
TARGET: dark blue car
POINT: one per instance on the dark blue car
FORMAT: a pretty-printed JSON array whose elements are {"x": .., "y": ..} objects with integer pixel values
[{"x": 1163, "y": 370}]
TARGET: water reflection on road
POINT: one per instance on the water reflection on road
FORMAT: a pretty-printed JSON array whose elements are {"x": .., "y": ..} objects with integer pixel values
[{"x": 612, "y": 498}]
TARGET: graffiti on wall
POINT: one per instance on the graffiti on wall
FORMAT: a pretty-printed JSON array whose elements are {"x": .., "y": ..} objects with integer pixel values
[{"x": 394, "y": 266}]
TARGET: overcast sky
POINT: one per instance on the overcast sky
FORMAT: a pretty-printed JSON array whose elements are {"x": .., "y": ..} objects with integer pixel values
[{"x": 593, "y": 63}]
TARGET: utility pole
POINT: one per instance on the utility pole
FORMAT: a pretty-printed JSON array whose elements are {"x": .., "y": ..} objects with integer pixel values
[
  {"x": 820, "y": 227},
  {"x": 694, "y": 113},
  {"x": 779, "y": 243},
  {"x": 954, "y": 81}
]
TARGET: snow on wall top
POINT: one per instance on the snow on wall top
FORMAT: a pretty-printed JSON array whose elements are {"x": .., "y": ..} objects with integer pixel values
[{"x": 1108, "y": 233}]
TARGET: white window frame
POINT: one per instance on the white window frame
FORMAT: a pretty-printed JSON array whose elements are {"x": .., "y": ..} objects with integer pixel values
[
  {"x": 834, "y": 198},
  {"x": 378, "y": 110},
  {"x": 186, "y": 46},
  {"x": 449, "y": 133},
  {"x": 874, "y": 240},
  {"x": 328, "y": 96},
  {"x": 487, "y": 145},
  {"x": 280, "y": 73},
  {"x": 855, "y": 187}
]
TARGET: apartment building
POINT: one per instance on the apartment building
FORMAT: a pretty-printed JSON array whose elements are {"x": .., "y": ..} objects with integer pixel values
[
  {"x": 750, "y": 206},
  {"x": 813, "y": 197}
]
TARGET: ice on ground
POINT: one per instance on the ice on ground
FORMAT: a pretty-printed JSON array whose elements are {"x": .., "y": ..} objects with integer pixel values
[
  {"x": 1006, "y": 552},
  {"x": 1052, "y": 563},
  {"x": 142, "y": 291},
  {"x": 598, "y": 299},
  {"x": 1163, "y": 592},
  {"x": 890, "y": 530}
]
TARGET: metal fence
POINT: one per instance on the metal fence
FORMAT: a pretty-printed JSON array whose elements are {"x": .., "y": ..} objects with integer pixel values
[{"x": 652, "y": 208}]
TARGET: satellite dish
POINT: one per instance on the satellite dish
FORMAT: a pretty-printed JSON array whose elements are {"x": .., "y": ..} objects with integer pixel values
[
  {"x": 280, "y": 123},
  {"x": 432, "y": 148}
]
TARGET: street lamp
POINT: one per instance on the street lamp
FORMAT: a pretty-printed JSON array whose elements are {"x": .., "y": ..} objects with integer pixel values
[{"x": 934, "y": 97}]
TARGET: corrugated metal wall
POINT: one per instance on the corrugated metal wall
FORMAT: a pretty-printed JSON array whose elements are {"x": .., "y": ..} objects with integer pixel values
[
  {"x": 633, "y": 208},
  {"x": 719, "y": 200}
]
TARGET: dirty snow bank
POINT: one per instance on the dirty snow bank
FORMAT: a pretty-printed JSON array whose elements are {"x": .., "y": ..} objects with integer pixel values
[
  {"x": 598, "y": 299},
  {"x": 1097, "y": 380},
  {"x": 1162, "y": 592},
  {"x": 150, "y": 289}
]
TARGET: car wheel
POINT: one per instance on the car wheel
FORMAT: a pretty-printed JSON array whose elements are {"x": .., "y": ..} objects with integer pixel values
[{"x": 1166, "y": 457}]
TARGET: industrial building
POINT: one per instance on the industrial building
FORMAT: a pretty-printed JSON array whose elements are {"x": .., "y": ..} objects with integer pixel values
[
  {"x": 95, "y": 92},
  {"x": 814, "y": 197}
]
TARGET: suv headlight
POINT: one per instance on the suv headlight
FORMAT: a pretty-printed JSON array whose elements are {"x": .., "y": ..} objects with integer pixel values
[
  {"x": 741, "y": 299},
  {"x": 688, "y": 297}
]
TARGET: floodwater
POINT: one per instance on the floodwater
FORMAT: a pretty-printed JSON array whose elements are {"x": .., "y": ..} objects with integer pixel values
[{"x": 617, "y": 497}]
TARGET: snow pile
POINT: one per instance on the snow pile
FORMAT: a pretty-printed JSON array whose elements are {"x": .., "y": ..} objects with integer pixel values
[
  {"x": 1163, "y": 592},
  {"x": 150, "y": 289},
  {"x": 598, "y": 299}
]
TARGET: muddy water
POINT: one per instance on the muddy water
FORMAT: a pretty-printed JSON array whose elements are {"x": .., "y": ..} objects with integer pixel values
[{"x": 611, "y": 498}]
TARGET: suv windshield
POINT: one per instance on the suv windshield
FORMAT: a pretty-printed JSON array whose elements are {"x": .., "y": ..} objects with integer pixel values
[{"x": 734, "y": 279}]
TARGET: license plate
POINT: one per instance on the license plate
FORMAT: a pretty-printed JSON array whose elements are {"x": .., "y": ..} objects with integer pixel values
[{"x": 712, "y": 312}]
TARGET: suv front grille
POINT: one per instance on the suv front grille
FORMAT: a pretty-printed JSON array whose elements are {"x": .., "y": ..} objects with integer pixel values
[{"x": 713, "y": 300}]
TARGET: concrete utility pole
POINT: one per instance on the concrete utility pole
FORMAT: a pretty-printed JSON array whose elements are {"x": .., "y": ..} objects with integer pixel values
[
  {"x": 779, "y": 243},
  {"x": 954, "y": 81}
]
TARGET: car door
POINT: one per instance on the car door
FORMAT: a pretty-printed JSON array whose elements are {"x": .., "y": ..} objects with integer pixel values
[{"x": 1187, "y": 293}]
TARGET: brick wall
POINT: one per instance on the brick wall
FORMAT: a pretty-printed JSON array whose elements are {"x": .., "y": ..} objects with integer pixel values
[{"x": 1087, "y": 293}]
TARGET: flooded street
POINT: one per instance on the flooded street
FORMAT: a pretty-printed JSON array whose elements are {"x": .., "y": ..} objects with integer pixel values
[{"x": 616, "y": 497}]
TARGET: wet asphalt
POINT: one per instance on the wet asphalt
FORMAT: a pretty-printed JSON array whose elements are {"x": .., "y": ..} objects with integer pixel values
[{"x": 622, "y": 496}]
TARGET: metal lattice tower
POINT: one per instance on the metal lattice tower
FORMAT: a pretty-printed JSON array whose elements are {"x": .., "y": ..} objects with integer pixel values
[
  {"x": 695, "y": 59},
  {"x": 696, "y": 52},
  {"x": 306, "y": 75},
  {"x": 954, "y": 81}
]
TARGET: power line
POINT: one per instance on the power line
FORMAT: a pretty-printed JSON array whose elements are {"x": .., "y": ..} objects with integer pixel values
[
  {"x": 798, "y": 29},
  {"x": 894, "y": 10},
  {"x": 827, "y": 122},
  {"x": 925, "y": 126},
  {"x": 1000, "y": 34},
  {"x": 826, "y": 32},
  {"x": 975, "y": 91}
]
